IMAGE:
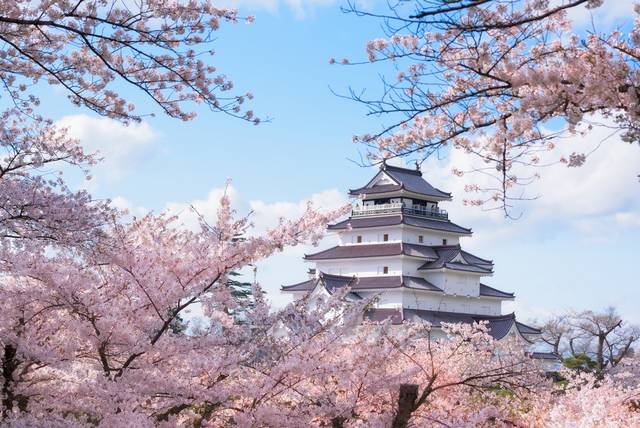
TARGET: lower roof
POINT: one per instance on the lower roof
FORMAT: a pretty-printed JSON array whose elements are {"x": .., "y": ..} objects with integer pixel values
[
  {"x": 363, "y": 283},
  {"x": 545, "y": 356},
  {"x": 439, "y": 257},
  {"x": 485, "y": 290},
  {"x": 498, "y": 325},
  {"x": 455, "y": 258},
  {"x": 382, "y": 282}
]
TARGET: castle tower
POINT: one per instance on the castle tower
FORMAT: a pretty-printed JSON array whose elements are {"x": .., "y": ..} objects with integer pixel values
[{"x": 399, "y": 245}]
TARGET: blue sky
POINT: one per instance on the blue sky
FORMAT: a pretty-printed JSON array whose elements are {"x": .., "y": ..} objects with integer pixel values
[{"x": 576, "y": 247}]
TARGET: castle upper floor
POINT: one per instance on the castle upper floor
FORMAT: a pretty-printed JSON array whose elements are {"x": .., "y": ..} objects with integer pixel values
[{"x": 403, "y": 183}]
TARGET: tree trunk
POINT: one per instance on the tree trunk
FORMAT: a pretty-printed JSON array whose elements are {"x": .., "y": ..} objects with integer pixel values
[
  {"x": 406, "y": 405},
  {"x": 338, "y": 422},
  {"x": 600, "y": 353},
  {"x": 8, "y": 367}
]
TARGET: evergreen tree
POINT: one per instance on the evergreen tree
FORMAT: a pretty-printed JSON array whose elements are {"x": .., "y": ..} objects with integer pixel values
[{"x": 241, "y": 290}]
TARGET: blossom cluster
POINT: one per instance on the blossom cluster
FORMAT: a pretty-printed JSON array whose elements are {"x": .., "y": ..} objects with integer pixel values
[
  {"x": 500, "y": 80},
  {"x": 91, "y": 48}
]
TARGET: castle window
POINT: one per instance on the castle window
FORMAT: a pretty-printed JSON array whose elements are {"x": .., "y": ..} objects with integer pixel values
[
  {"x": 420, "y": 239},
  {"x": 359, "y": 239},
  {"x": 385, "y": 270},
  {"x": 385, "y": 237},
  {"x": 444, "y": 242}
]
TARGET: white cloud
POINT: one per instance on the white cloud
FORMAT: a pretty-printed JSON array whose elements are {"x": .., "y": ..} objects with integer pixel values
[
  {"x": 122, "y": 147},
  {"x": 603, "y": 192},
  {"x": 628, "y": 219},
  {"x": 284, "y": 267},
  {"x": 300, "y": 8},
  {"x": 288, "y": 267},
  {"x": 611, "y": 13},
  {"x": 126, "y": 205},
  {"x": 246, "y": 6},
  {"x": 207, "y": 207},
  {"x": 267, "y": 214},
  {"x": 263, "y": 215}
]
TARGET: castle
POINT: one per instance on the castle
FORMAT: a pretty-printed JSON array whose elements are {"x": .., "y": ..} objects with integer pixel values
[{"x": 399, "y": 245}]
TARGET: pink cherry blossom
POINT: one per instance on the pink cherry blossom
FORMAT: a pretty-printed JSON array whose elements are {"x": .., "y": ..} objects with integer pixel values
[
  {"x": 91, "y": 48},
  {"x": 500, "y": 81}
]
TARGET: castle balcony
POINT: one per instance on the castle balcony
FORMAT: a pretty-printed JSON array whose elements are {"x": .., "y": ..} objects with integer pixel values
[{"x": 398, "y": 208}]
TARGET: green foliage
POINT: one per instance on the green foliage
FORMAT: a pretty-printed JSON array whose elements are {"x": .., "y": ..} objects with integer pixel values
[
  {"x": 581, "y": 362},
  {"x": 502, "y": 391},
  {"x": 178, "y": 325},
  {"x": 241, "y": 291}
]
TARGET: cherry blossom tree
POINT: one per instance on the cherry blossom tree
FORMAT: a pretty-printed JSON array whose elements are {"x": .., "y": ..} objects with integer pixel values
[
  {"x": 586, "y": 400},
  {"x": 503, "y": 80},
  {"x": 391, "y": 376},
  {"x": 591, "y": 340},
  {"x": 97, "y": 324},
  {"x": 94, "y": 48},
  {"x": 88, "y": 298},
  {"x": 383, "y": 375}
]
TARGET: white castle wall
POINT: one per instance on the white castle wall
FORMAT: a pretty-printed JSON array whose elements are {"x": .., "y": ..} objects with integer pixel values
[
  {"x": 398, "y": 233},
  {"x": 375, "y": 236},
  {"x": 456, "y": 283},
  {"x": 361, "y": 267},
  {"x": 398, "y": 265},
  {"x": 414, "y": 299},
  {"x": 437, "y": 302},
  {"x": 411, "y": 236}
]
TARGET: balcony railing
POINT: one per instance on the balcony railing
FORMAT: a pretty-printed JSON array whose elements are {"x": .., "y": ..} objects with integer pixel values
[{"x": 397, "y": 208}]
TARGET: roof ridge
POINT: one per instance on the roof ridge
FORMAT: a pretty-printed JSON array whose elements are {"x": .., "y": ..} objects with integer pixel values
[
  {"x": 335, "y": 276},
  {"x": 322, "y": 251},
  {"x": 495, "y": 289},
  {"x": 488, "y": 291},
  {"x": 448, "y": 247},
  {"x": 477, "y": 257},
  {"x": 285, "y": 287},
  {"x": 413, "y": 171},
  {"x": 528, "y": 326},
  {"x": 379, "y": 249},
  {"x": 482, "y": 269},
  {"x": 504, "y": 317}
]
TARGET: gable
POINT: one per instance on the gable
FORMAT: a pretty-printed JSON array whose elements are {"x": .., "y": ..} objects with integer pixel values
[
  {"x": 320, "y": 292},
  {"x": 459, "y": 259},
  {"x": 514, "y": 332},
  {"x": 381, "y": 179}
]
